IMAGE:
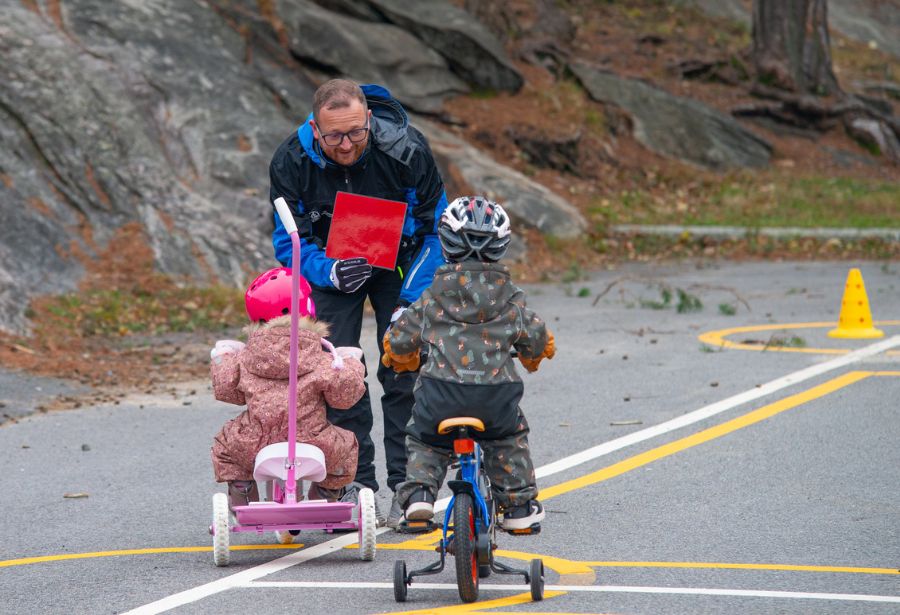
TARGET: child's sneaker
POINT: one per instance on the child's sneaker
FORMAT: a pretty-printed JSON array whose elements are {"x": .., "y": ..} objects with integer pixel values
[
  {"x": 523, "y": 519},
  {"x": 420, "y": 506},
  {"x": 317, "y": 492},
  {"x": 242, "y": 492}
]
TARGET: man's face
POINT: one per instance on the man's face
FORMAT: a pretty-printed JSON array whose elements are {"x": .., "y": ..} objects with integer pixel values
[{"x": 340, "y": 123}]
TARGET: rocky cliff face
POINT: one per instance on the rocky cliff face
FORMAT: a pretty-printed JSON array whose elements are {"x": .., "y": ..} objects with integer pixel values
[
  {"x": 165, "y": 113},
  {"x": 133, "y": 111}
]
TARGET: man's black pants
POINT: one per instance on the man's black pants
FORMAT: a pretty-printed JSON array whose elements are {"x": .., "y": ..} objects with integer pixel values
[{"x": 344, "y": 313}]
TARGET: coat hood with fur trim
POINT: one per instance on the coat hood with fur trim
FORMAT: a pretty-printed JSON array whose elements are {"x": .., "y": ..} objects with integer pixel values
[{"x": 268, "y": 347}]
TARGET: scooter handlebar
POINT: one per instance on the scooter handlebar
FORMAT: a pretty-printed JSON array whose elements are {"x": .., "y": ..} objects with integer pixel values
[{"x": 287, "y": 218}]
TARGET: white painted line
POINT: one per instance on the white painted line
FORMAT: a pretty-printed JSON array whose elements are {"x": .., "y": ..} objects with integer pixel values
[
  {"x": 717, "y": 407},
  {"x": 245, "y": 576},
  {"x": 623, "y": 589}
]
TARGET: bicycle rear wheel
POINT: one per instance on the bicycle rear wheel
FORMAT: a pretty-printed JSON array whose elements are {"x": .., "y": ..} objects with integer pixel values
[{"x": 464, "y": 547}]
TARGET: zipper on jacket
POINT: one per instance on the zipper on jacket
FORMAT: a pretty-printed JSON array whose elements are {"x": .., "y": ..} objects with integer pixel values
[
  {"x": 412, "y": 274},
  {"x": 347, "y": 181}
]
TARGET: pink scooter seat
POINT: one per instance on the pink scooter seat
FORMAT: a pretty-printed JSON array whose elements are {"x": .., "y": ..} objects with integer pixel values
[{"x": 270, "y": 463}]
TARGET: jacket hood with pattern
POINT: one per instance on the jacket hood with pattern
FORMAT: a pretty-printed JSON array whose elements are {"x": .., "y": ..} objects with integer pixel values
[
  {"x": 462, "y": 289},
  {"x": 469, "y": 320},
  {"x": 268, "y": 347}
]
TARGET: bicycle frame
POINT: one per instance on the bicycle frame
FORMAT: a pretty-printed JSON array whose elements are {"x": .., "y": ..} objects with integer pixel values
[
  {"x": 468, "y": 453},
  {"x": 469, "y": 466}
]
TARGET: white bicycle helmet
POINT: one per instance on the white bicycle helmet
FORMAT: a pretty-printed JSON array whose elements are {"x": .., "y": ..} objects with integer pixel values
[{"x": 474, "y": 227}]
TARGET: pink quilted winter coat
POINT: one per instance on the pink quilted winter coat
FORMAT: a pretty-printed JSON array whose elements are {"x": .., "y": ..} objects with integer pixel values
[{"x": 257, "y": 375}]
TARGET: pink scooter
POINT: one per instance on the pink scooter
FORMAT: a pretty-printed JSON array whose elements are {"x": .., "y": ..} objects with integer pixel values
[{"x": 281, "y": 466}]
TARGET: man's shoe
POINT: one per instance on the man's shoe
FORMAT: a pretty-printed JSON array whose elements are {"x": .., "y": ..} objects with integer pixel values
[
  {"x": 395, "y": 514},
  {"x": 420, "y": 506},
  {"x": 523, "y": 518},
  {"x": 380, "y": 519},
  {"x": 351, "y": 495}
]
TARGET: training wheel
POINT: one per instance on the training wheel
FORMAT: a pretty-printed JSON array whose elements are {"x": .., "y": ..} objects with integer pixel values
[
  {"x": 221, "y": 531},
  {"x": 366, "y": 520},
  {"x": 537, "y": 579},
  {"x": 400, "y": 580}
]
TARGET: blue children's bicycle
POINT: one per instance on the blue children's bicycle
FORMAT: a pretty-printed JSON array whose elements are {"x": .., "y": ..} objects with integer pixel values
[{"x": 472, "y": 537}]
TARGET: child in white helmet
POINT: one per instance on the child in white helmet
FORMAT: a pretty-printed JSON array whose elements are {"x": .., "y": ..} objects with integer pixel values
[{"x": 469, "y": 321}]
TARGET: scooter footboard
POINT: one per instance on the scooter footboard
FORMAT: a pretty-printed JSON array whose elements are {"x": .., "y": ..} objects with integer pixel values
[{"x": 300, "y": 513}]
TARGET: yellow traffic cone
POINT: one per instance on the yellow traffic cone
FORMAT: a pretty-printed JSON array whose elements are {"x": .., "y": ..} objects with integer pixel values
[{"x": 855, "y": 321}]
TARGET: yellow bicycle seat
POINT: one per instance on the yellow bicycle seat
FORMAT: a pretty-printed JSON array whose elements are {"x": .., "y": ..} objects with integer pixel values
[{"x": 447, "y": 425}]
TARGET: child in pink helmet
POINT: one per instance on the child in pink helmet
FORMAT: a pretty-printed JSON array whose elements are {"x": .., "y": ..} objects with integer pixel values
[{"x": 256, "y": 374}]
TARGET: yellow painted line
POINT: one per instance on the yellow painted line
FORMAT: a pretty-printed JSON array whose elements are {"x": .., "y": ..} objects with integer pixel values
[
  {"x": 426, "y": 542},
  {"x": 477, "y": 607},
  {"x": 70, "y": 556},
  {"x": 726, "y": 566},
  {"x": 706, "y": 435},
  {"x": 560, "y": 565},
  {"x": 717, "y": 338}
]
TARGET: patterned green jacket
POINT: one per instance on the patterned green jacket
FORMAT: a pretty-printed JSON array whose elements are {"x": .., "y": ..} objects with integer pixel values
[{"x": 468, "y": 321}]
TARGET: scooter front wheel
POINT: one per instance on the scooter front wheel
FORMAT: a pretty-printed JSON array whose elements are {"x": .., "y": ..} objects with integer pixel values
[
  {"x": 221, "y": 531},
  {"x": 366, "y": 520},
  {"x": 464, "y": 547}
]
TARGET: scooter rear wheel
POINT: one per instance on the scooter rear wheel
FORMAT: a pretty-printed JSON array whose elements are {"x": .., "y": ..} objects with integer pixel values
[{"x": 464, "y": 547}]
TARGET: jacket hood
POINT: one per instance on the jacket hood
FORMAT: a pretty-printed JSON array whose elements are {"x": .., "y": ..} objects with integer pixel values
[
  {"x": 388, "y": 127},
  {"x": 463, "y": 289},
  {"x": 268, "y": 350}
]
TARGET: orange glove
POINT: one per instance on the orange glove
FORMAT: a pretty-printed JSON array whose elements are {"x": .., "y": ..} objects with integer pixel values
[
  {"x": 549, "y": 352},
  {"x": 399, "y": 362}
]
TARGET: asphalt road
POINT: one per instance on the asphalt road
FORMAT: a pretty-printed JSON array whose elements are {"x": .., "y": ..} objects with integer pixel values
[{"x": 678, "y": 475}]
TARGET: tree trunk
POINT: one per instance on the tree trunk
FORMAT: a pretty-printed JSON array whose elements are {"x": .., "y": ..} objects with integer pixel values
[{"x": 791, "y": 46}]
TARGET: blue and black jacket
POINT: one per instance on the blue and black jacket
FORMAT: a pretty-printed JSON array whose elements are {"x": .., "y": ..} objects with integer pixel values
[{"x": 397, "y": 165}]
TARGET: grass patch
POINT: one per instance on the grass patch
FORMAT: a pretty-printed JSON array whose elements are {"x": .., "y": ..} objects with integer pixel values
[
  {"x": 783, "y": 341},
  {"x": 664, "y": 302},
  {"x": 750, "y": 201},
  {"x": 121, "y": 312},
  {"x": 686, "y": 301},
  {"x": 573, "y": 273},
  {"x": 727, "y": 309}
]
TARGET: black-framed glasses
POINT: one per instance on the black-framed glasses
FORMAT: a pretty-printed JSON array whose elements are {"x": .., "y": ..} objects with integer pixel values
[{"x": 336, "y": 138}]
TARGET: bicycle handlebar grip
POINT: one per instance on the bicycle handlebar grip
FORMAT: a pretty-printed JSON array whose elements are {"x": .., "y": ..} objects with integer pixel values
[{"x": 287, "y": 218}]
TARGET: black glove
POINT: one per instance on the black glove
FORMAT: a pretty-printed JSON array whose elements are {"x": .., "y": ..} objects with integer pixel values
[{"x": 349, "y": 274}]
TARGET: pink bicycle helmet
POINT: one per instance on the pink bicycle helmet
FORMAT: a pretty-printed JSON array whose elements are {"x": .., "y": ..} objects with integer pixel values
[{"x": 269, "y": 296}]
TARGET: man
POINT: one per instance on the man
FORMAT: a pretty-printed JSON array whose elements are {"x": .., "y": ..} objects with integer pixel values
[{"x": 358, "y": 139}]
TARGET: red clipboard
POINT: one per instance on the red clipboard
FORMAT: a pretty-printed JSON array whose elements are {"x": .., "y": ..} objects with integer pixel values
[{"x": 366, "y": 226}]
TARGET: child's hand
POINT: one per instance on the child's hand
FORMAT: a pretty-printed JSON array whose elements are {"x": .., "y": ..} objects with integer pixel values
[
  {"x": 349, "y": 352},
  {"x": 549, "y": 352},
  {"x": 224, "y": 347}
]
